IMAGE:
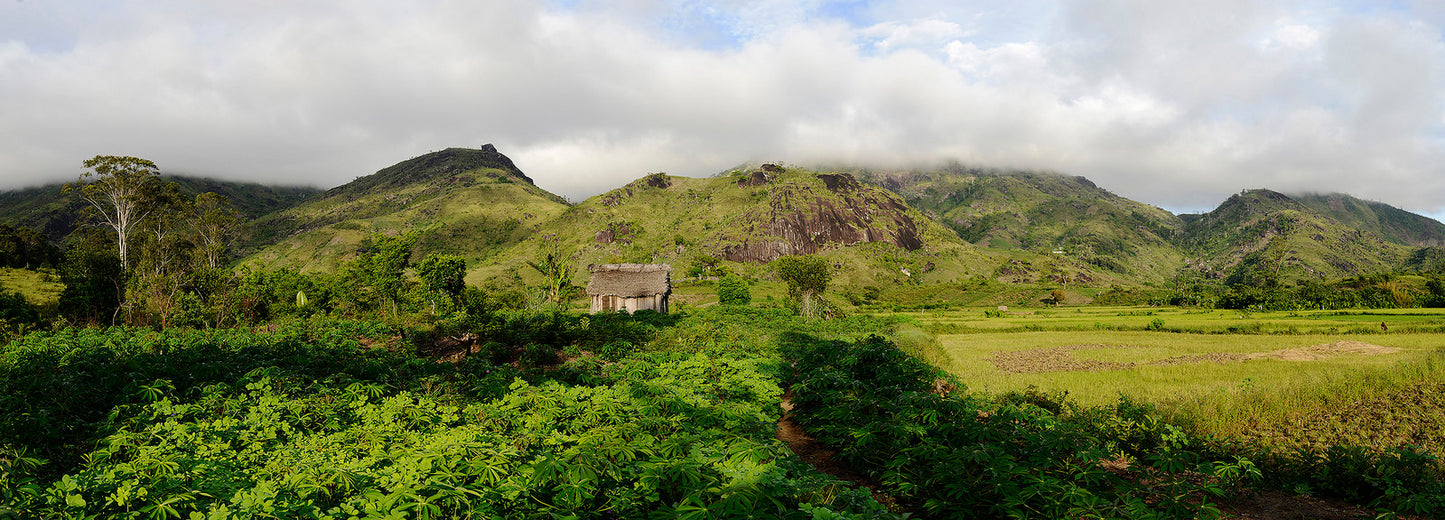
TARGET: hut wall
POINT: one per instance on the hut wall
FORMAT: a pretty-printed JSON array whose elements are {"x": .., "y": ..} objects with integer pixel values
[{"x": 610, "y": 303}]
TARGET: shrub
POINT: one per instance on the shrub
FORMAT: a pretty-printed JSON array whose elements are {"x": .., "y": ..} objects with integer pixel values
[
  {"x": 733, "y": 290},
  {"x": 616, "y": 350},
  {"x": 536, "y": 355}
]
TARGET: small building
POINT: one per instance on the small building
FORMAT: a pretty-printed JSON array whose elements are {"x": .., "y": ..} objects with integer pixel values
[{"x": 630, "y": 287}]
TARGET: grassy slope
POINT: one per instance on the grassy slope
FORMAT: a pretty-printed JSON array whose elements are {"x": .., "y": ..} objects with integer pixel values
[
  {"x": 1260, "y": 230},
  {"x": 1391, "y": 223},
  {"x": 463, "y": 202},
  {"x": 40, "y": 288},
  {"x": 1105, "y": 236},
  {"x": 677, "y": 221}
]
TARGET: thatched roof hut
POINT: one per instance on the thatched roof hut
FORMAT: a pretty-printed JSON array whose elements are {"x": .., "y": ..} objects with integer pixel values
[{"x": 629, "y": 287}]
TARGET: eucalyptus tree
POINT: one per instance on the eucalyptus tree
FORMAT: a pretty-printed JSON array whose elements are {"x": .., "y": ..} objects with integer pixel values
[
  {"x": 118, "y": 197},
  {"x": 214, "y": 223}
]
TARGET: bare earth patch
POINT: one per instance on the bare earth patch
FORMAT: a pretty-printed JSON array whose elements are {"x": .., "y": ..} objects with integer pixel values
[
  {"x": 1326, "y": 351},
  {"x": 1054, "y": 359},
  {"x": 1060, "y": 359}
]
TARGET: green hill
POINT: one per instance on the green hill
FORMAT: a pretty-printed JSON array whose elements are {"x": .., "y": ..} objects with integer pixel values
[
  {"x": 746, "y": 217},
  {"x": 1070, "y": 219},
  {"x": 1389, "y": 222},
  {"x": 1261, "y": 234},
  {"x": 47, "y": 210},
  {"x": 469, "y": 202}
]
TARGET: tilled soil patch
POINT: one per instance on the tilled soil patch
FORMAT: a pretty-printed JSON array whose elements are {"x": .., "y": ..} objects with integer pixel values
[
  {"x": 1060, "y": 359},
  {"x": 1055, "y": 359}
]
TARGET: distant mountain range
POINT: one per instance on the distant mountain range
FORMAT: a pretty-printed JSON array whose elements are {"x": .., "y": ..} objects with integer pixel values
[{"x": 877, "y": 227}]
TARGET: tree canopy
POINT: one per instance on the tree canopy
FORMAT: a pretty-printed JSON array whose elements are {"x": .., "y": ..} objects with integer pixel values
[
  {"x": 118, "y": 196},
  {"x": 807, "y": 276}
]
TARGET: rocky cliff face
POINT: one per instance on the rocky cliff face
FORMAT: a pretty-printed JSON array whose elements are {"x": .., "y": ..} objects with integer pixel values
[{"x": 806, "y": 215}]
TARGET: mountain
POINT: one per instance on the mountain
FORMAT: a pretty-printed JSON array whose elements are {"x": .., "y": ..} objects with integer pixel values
[
  {"x": 751, "y": 216},
  {"x": 468, "y": 202},
  {"x": 883, "y": 230},
  {"x": 47, "y": 210},
  {"x": 1389, "y": 222},
  {"x": 1261, "y": 234},
  {"x": 1069, "y": 218}
]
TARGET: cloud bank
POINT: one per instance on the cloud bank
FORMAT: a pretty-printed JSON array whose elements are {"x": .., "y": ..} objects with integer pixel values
[{"x": 1174, "y": 103}]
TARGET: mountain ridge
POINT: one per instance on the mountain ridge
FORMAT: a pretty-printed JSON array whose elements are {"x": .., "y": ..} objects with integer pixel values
[{"x": 909, "y": 225}]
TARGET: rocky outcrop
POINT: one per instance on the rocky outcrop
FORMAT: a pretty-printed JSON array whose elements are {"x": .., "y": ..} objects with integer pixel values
[
  {"x": 803, "y": 218},
  {"x": 839, "y": 182},
  {"x": 652, "y": 180},
  {"x": 615, "y": 232}
]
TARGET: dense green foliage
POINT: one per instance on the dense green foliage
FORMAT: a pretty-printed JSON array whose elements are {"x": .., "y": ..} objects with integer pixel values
[
  {"x": 1380, "y": 291},
  {"x": 26, "y": 248},
  {"x": 954, "y": 455},
  {"x": 807, "y": 277},
  {"x": 733, "y": 290},
  {"x": 307, "y": 421},
  {"x": 555, "y": 414}
]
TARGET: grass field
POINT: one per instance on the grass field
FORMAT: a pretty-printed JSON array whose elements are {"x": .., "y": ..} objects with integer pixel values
[
  {"x": 1176, "y": 319},
  {"x": 1290, "y": 377},
  {"x": 41, "y": 288}
]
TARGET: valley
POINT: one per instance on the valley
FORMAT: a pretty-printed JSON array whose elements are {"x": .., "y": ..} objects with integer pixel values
[{"x": 974, "y": 343}]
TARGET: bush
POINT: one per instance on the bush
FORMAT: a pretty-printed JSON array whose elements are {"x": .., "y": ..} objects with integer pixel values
[
  {"x": 537, "y": 355},
  {"x": 733, "y": 290},
  {"x": 616, "y": 350}
]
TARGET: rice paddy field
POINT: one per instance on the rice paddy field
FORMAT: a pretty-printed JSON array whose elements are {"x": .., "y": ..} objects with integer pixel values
[{"x": 1365, "y": 377}]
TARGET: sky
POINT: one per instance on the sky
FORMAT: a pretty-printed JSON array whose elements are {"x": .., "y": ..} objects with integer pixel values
[{"x": 1174, "y": 103}]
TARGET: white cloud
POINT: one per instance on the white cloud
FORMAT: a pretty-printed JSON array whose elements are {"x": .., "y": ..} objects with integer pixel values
[
  {"x": 1174, "y": 103},
  {"x": 926, "y": 33},
  {"x": 1296, "y": 36}
]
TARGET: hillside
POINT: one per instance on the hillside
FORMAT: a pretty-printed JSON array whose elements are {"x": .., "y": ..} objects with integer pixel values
[
  {"x": 468, "y": 202},
  {"x": 1391, "y": 223},
  {"x": 1261, "y": 234},
  {"x": 749, "y": 216},
  {"x": 884, "y": 231},
  {"x": 1081, "y": 225},
  {"x": 47, "y": 210}
]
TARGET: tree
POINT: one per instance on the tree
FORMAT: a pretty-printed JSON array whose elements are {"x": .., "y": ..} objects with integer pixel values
[
  {"x": 117, "y": 198},
  {"x": 26, "y": 249},
  {"x": 807, "y": 276},
  {"x": 381, "y": 267},
  {"x": 556, "y": 268},
  {"x": 93, "y": 279},
  {"x": 161, "y": 261},
  {"x": 733, "y": 290},
  {"x": 214, "y": 223},
  {"x": 1056, "y": 297},
  {"x": 445, "y": 274}
]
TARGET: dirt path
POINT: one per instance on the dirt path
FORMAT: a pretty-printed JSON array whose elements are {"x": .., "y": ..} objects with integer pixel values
[
  {"x": 818, "y": 456},
  {"x": 1276, "y": 505}
]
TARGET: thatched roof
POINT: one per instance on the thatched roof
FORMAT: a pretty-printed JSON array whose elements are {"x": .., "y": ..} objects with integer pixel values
[{"x": 630, "y": 280}]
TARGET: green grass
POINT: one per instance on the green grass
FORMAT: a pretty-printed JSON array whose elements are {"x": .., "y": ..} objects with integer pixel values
[
  {"x": 40, "y": 288},
  {"x": 969, "y": 358},
  {"x": 1184, "y": 320},
  {"x": 1381, "y": 398}
]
